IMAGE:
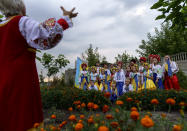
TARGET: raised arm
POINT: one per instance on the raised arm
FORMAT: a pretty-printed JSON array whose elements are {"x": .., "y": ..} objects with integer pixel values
[{"x": 47, "y": 34}]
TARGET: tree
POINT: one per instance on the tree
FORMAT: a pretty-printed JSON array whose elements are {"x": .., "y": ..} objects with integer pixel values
[
  {"x": 174, "y": 11},
  {"x": 52, "y": 64},
  {"x": 124, "y": 57},
  {"x": 91, "y": 55},
  {"x": 167, "y": 41}
]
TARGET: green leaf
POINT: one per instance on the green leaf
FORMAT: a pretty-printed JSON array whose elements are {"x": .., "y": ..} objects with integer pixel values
[
  {"x": 162, "y": 9},
  {"x": 38, "y": 58},
  {"x": 157, "y": 5},
  {"x": 38, "y": 51},
  {"x": 160, "y": 17}
]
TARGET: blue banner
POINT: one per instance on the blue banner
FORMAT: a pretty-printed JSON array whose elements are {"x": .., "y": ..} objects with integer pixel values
[{"x": 78, "y": 69}]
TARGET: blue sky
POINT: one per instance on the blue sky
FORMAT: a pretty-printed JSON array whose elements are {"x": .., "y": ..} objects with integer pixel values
[{"x": 114, "y": 26}]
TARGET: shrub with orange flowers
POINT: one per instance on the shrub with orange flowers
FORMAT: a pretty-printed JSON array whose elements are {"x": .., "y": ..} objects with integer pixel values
[
  {"x": 119, "y": 102},
  {"x": 72, "y": 118},
  {"x": 134, "y": 115},
  {"x": 114, "y": 124},
  {"x": 105, "y": 108},
  {"x": 147, "y": 122},
  {"x": 134, "y": 109},
  {"x": 53, "y": 116},
  {"x": 109, "y": 117},
  {"x": 107, "y": 95},
  {"x": 103, "y": 128},
  {"x": 177, "y": 128},
  {"x": 154, "y": 101},
  {"x": 78, "y": 127}
]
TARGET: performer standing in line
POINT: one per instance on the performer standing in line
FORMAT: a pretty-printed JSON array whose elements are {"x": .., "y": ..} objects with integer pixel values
[
  {"x": 141, "y": 69},
  {"x": 107, "y": 77},
  {"x": 20, "y": 36},
  {"x": 157, "y": 72},
  {"x": 170, "y": 69},
  {"x": 119, "y": 78},
  {"x": 84, "y": 77}
]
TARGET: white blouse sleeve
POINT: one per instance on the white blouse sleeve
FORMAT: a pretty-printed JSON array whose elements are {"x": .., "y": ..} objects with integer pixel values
[
  {"x": 44, "y": 35},
  {"x": 174, "y": 67}
]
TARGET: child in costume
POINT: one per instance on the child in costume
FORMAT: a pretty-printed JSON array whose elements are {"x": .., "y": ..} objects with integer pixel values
[
  {"x": 132, "y": 63},
  {"x": 135, "y": 77},
  {"x": 84, "y": 77},
  {"x": 148, "y": 78},
  {"x": 113, "y": 96},
  {"x": 170, "y": 69},
  {"x": 141, "y": 69},
  {"x": 98, "y": 68},
  {"x": 157, "y": 72},
  {"x": 119, "y": 78},
  {"x": 94, "y": 76},
  {"x": 107, "y": 77},
  {"x": 127, "y": 86},
  {"x": 92, "y": 86},
  {"x": 103, "y": 86},
  {"x": 128, "y": 71},
  {"x": 113, "y": 71},
  {"x": 151, "y": 61}
]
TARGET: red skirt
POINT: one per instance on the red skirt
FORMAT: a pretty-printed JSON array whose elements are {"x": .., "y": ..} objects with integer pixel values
[{"x": 171, "y": 82}]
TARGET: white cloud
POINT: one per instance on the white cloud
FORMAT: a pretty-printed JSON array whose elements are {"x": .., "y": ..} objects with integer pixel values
[{"x": 112, "y": 25}]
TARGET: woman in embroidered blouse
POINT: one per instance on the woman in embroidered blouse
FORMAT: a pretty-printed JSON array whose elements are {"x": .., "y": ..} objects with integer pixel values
[
  {"x": 170, "y": 69},
  {"x": 20, "y": 36}
]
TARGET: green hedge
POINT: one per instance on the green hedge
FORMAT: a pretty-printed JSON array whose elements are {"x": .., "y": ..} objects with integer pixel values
[
  {"x": 63, "y": 98},
  {"x": 146, "y": 96}
]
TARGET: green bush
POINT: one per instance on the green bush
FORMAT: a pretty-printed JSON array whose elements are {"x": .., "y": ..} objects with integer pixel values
[
  {"x": 182, "y": 79},
  {"x": 63, "y": 98},
  {"x": 146, "y": 96}
]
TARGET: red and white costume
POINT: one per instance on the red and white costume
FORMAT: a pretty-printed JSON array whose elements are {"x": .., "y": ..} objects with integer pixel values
[{"x": 20, "y": 98}]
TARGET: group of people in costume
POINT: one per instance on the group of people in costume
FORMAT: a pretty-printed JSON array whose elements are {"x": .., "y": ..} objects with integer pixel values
[{"x": 135, "y": 77}]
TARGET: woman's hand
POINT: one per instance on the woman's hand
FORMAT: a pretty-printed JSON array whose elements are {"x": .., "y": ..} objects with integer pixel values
[{"x": 69, "y": 13}]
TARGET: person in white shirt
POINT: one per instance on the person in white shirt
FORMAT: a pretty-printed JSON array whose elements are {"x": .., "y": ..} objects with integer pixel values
[
  {"x": 157, "y": 72},
  {"x": 119, "y": 78},
  {"x": 170, "y": 68},
  {"x": 93, "y": 86},
  {"x": 127, "y": 86}
]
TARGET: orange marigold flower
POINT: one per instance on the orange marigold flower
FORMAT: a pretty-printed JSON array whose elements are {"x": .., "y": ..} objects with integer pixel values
[
  {"x": 42, "y": 129},
  {"x": 147, "y": 122},
  {"x": 72, "y": 118},
  {"x": 134, "y": 115},
  {"x": 154, "y": 101},
  {"x": 105, "y": 108},
  {"x": 107, "y": 95},
  {"x": 70, "y": 109},
  {"x": 77, "y": 102},
  {"x": 134, "y": 109},
  {"x": 163, "y": 115},
  {"x": 95, "y": 107},
  {"x": 119, "y": 102},
  {"x": 170, "y": 101},
  {"x": 114, "y": 124},
  {"x": 80, "y": 121},
  {"x": 36, "y": 125},
  {"x": 117, "y": 110},
  {"x": 78, "y": 127},
  {"x": 53, "y": 128},
  {"x": 109, "y": 117},
  {"x": 103, "y": 128},
  {"x": 182, "y": 104},
  {"x": 82, "y": 116},
  {"x": 97, "y": 115},
  {"x": 177, "y": 128},
  {"x": 90, "y": 105},
  {"x": 53, "y": 116},
  {"x": 129, "y": 99},
  {"x": 83, "y": 105},
  {"x": 90, "y": 121},
  {"x": 78, "y": 106}
]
